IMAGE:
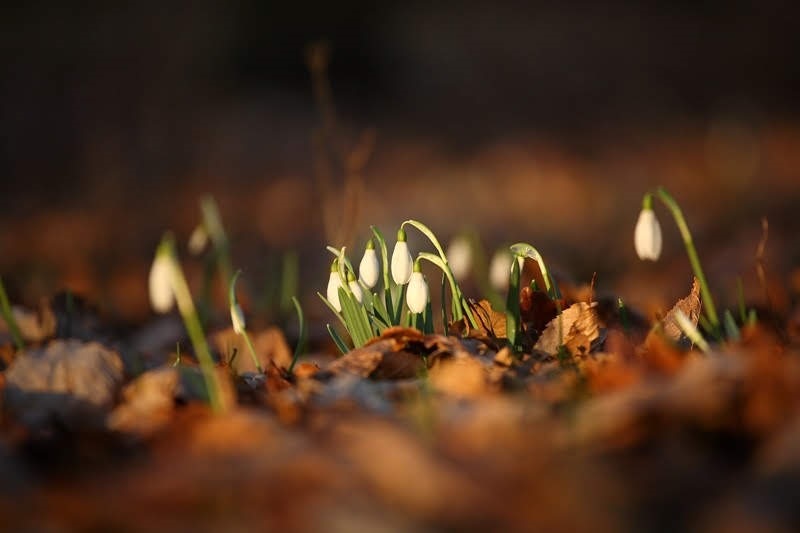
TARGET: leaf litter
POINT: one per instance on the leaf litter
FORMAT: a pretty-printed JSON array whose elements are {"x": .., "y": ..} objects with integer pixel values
[{"x": 589, "y": 427}]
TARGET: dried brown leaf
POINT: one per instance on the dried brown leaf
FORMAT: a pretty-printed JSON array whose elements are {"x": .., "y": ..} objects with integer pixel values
[
  {"x": 270, "y": 346},
  {"x": 576, "y": 327},
  {"x": 491, "y": 323},
  {"x": 690, "y": 306},
  {"x": 536, "y": 308}
]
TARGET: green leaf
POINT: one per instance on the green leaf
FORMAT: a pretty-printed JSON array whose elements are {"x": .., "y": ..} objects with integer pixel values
[
  {"x": 332, "y": 308},
  {"x": 523, "y": 249},
  {"x": 429, "y": 234},
  {"x": 512, "y": 306},
  {"x": 302, "y": 336},
  {"x": 337, "y": 340},
  {"x": 731, "y": 329}
]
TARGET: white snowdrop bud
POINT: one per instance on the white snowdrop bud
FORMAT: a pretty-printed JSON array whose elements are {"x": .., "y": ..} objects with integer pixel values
[
  {"x": 355, "y": 288},
  {"x": 333, "y": 286},
  {"x": 417, "y": 294},
  {"x": 160, "y": 283},
  {"x": 198, "y": 240},
  {"x": 237, "y": 319},
  {"x": 369, "y": 269},
  {"x": 402, "y": 262},
  {"x": 459, "y": 257},
  {"x": 647, "y": 236}
]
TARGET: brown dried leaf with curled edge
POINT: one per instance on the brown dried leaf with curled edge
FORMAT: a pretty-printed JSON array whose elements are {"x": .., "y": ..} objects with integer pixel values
[
  {"x": 668, "y": 326},
  {"x": 491, "y": 323},
  {"x": 536, "y": 309},
  {"x": 576, "y": 328},
  {"x": 396, "y": 354}
]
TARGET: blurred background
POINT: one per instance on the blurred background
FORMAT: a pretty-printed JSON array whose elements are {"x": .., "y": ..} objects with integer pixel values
[{"x": 536, "y": 121}]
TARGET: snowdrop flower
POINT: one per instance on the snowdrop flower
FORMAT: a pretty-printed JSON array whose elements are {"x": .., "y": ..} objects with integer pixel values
[
  {"x": 198, "y": 240},
  {"x": 355, "y": 288},
  {"x": 402, "y": 261},
  {"x": 369, "y": 268},
  {"x": 237, "y": 319},
  {"x": 647, "y": 236},
  {"x": 500, "y": 269},
  {"x": 162, "y": 297},
  {"x": 333, "y": 286},
  {"x": 459, "y": 257},
  {"x": 417, "y": 294}
]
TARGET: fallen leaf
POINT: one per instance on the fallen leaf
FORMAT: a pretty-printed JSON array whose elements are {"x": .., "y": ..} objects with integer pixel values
[
  {"x": 576, "y": 327},
  {"x": 668, "y": 326},
  {"x": 270, "y": 346},
  {"x": 461, "y": 376},
  {"x": 536, "y": 309},
  {"x": 148, "y": 402},
  {"x": 491, "y": 323},
  {"x": 70, "y": 381}
]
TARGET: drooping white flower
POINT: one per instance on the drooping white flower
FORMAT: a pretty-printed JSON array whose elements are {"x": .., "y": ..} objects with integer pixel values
[
  {"x": 459, "y": 257},
  {"x": 162, "y": 298},
  {"x": 647, "y": 236},
  {"x": 198, "y": 240},
  {"x": 369, "y": 269},
  {"x": 237, "y": 319},
  {"x": 500, "y": 269},
  {"x": 355, "y": 288},
  {"x": 417, "y": 294},
  {"x": 402, "y": 262},
  {"x": 333, "y": 286}
]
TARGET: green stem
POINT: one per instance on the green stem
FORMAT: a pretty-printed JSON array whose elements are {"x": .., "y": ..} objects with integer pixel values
[
  {"x": 301, "y": 338},
  {"x": 252, "y": 349},
  {"x": 183, "y": 297},
  {"x": 8, "y": 316},
  {"x": 677, "y": 214}
]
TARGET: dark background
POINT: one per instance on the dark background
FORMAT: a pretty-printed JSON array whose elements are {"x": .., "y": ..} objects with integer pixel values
[{"x": 120, "y": 116}]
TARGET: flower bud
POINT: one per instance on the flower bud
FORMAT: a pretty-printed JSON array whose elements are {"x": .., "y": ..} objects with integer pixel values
[
  {"x": 237, "y": 319},
  {"x": 160, "y": 284},
  {"x": 333, "y": 286},
  {"x": 198, "y": 240},
  {"x": 459, "y": 257},
  {"x": 355, "y": 288},
  {"x": 369, "y": 269},
  {"x": 417, "y": 294},
  {"x": 402, "y": 262},
  {"x": 647, "y": 236}
]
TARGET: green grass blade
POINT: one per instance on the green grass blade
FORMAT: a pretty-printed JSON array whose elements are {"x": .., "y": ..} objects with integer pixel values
[
  {"x": 333, "y": 309},
  {"x": 731, "y": 329},
  {"x": 302, "y": 335},
  {"x": 512, "y": 306},
  {"x": 337, "y": 340},
  {"x": 8, "y": 316}
]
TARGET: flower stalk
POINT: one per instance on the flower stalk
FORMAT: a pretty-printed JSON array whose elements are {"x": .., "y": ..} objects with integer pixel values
[
  {"x": 708, "y": 300},
  {"x": 238, "y": 322},
  {"x": 166, "y": 255}
]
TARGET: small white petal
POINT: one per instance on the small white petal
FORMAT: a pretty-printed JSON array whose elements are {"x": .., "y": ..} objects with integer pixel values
[
  {"x": 459, "y": 257},
  {"x": 198, "y": 240},
  {"x": 355, "y": 288},
  {"x": 500, "y": 269},
  {"x": 333, "y": 290},
  {"x": 160, "y": 284},
  {"x": 402, "y": 263},
  {"x": 647, "y": 236},
  {"x": 237, "y": 319},
  {"x": 417, "y": 293},
  {"x": 369, "y": 269}
]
